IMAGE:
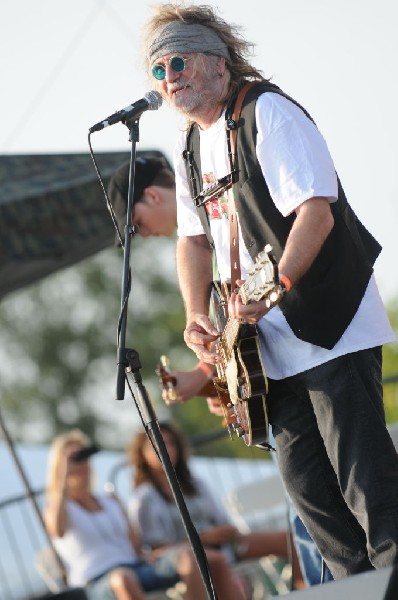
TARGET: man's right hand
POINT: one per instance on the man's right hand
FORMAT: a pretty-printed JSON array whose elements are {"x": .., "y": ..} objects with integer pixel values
[{"x": 199, "y": 336}]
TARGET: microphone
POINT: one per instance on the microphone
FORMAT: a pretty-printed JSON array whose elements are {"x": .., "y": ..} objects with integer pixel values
[{"x": 151, "y": 101}]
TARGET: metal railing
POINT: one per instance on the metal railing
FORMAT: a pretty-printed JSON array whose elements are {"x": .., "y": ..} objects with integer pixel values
[{"x": 21, "y": 536}]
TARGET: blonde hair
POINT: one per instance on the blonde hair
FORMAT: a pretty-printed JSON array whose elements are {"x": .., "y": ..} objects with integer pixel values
[
  {"x": 238, "y": 47},
  {"x": 56, "y": 451}
]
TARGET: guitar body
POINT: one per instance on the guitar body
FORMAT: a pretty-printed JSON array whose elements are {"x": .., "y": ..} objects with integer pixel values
[
  {"x": 243, "y": 359},
  {"x": 241, "y": 375},
  {"x": 241, "y": 383},
  {"x": 252, "y": 379},
  {"x": 247, "y": 418},
  {"x": 252, "y": 421}
]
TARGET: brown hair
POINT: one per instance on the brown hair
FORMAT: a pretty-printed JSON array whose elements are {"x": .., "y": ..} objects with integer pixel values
[
  {"x": 142, "y": 471},
  {"x": 238, "y": 47}
]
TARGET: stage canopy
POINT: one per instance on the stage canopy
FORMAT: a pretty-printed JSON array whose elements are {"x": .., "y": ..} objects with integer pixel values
[{"x": 52, "y": 213}]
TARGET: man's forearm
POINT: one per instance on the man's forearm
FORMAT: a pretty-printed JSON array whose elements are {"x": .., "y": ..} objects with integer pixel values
[
  {"x": 312, "y": 226},
  {"x": 195, "y": 272}
]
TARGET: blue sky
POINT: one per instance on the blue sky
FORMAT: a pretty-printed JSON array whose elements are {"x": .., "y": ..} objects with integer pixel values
[{"x": 67, "y": 64}]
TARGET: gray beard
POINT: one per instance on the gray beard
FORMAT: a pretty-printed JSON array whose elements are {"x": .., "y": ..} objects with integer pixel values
[
  {"x": 187, "y": 105},
  {"x": 197, "y": 103}
]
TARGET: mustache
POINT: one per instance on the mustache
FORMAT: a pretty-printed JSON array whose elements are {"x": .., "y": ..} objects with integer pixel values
[{"x": 173, "y": 87}]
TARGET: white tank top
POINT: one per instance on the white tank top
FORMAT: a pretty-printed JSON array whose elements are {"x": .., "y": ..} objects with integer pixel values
[{"x": 94, "y": 541}]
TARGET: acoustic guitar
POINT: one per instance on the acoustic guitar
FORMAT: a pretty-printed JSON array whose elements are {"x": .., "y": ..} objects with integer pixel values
[
  {"x": 241, "y": 382},
  {"x": 240, "y": 370}
]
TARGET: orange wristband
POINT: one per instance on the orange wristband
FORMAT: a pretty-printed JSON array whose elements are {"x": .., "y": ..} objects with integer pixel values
[
  {"x": 208, "y": 370},
  {"x": 286, "y": 281}
]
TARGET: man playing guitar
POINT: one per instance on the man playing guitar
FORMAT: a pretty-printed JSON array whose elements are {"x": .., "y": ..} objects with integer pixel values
[{"x": 155, "y": 213}]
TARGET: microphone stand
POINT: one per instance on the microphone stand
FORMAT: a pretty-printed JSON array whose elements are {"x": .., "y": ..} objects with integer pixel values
[{"x": 128, "y": 368}]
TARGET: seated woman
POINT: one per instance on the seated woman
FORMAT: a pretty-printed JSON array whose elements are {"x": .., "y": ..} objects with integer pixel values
[
  {"x": 91, "y": 532},
  {"x": 153, "y": 511}
]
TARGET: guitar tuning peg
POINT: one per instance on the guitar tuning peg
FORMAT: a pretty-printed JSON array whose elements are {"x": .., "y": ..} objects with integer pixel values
[
  {"x": 273, "y": 297},
  {"x": 164, "y": 361}
]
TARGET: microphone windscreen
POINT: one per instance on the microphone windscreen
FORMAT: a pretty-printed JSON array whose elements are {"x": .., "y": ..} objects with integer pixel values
[{"x": 154, "y": 100}]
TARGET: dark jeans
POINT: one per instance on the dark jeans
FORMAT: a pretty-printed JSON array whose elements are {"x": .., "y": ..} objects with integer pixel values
[{"x": 337, "y": 460}]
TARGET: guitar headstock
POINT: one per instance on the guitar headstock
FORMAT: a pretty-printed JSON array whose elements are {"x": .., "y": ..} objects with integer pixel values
[
  {"x": 263, "y": 280},
  {"x": 168, "y": 382}
]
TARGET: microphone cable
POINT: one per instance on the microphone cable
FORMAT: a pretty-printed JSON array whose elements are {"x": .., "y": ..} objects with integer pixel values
[{"x": 119, "y": 235}]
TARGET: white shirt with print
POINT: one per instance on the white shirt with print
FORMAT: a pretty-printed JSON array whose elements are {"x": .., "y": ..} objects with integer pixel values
[{"x": 297, "y": 166}]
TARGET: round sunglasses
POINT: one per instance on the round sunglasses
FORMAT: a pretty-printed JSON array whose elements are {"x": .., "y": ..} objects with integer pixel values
[{"x": 177, "y": 63}]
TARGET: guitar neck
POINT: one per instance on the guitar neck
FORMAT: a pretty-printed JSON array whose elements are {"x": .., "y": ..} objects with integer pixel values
[
  {"x": 231, "y": 329},
  {"x": 259, "y": 284},
  {"x": 229, "y": 336}
]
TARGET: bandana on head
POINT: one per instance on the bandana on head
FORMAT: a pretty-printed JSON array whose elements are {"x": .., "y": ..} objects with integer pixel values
[{"x": 184, "y": 38}]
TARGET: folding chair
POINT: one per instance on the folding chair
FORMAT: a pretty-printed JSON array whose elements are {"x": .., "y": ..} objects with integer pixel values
[{"x": 261, "y": 504}]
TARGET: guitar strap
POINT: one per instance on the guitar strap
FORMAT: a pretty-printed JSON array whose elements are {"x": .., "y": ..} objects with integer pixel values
[
  {"x": 231, "y": 124},
  {"x": 191, "y": 156}
]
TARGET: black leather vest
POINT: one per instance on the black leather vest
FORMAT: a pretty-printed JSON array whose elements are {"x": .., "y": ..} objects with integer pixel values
[{"x": 322, "y": 304}]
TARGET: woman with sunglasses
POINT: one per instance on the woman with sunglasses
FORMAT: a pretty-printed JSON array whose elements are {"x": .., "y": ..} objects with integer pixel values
[{"x": 91, "y": 532}]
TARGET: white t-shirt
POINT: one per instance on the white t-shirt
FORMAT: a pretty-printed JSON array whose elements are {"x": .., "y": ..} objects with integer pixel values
[
  {"x": 94, "y": 541},
  {"x": 297, "y": 166}
]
